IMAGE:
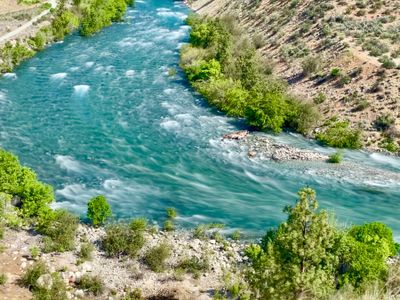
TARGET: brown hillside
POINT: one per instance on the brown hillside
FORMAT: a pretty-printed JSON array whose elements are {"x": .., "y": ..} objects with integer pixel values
[{"x": 360, "y": 39}]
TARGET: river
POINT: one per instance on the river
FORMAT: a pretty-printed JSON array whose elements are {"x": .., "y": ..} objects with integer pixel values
[{"x": 100, "y": 115}]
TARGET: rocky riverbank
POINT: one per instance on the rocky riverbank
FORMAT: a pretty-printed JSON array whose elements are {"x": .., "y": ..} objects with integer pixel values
[
  {"x": 266, "y": 148},
  {"x": 120, "y": 275}
]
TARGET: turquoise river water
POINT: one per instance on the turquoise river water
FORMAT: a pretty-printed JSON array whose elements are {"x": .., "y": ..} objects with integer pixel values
[{"x": 101, "y": 115}]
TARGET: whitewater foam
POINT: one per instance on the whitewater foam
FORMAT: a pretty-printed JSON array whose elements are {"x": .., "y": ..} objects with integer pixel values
[
  {"x": 68, "y": 163},
  {"x": 81, "y": 89},
  {"x": 58, "y": 76}
]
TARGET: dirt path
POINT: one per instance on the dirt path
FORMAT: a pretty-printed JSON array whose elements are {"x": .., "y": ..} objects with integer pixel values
[{"x": 12, "y": 34}]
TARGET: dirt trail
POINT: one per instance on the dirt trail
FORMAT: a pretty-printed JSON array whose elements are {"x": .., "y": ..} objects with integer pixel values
[{"x": 12, "y": 34}]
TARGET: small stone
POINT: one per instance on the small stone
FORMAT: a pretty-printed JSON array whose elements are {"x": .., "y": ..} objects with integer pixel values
[
  {"x": 45, "y": 281},
  {"x": 79, "y": 293},
  {"x": 23, "y": 265}
]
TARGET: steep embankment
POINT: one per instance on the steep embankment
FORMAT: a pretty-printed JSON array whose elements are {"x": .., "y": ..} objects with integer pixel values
[{"x": 340, "y": 54}]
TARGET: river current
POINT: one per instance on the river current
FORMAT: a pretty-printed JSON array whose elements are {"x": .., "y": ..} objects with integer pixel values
[{"x": 101, "y": 115}]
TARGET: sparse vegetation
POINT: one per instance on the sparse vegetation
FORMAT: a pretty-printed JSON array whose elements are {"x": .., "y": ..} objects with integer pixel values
[
  {"x": 92, "y": 284},
  {"x": 156, "y": 257},
  {"x": 335, "y": 158},
  {"x": 3, "y": 279}
]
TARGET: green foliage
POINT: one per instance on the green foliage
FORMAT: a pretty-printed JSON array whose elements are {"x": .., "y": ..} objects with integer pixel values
[
  {"x": 236, "y": 235},
  {"x": 58, "y": 290},
  {"x": 86, "y": 250},
  {"x": 311, "y": 65},
  {"x": 34, "y": 251},
  {"x": 367, "y": 249},
  {"x": 389, "y": 144},
  {"x": 298, "y": 260},
  {"x": 13, "y": 55},
  {"x": 340, "y": 135},
  {"x": 3, "y": 279},
  {"x": 124, "y": 239},
  {"x": 21, "y": 182},
  {"x": 59, "y": 228},
  {"x": 387, "y": 62},
  {"x": 335, "y": 72},
  {"x": 335, "y": 158},
  {"x": 92, "y": 284},
  {"x": 63, "y": 24},
  {"x": 136, "y": 294},
  {"x": 222, "y": 64},
  {"x": 171, "y": 213},
  {"x": 384, "y": 122},
  {"x": 156, "y": 257},
  {"x": 168, "y": 225},
  {"x": 30, "y": 277},
  {"x": 99, "y": 14},
  {"x": 320, "y": 98},
  {"x": 98, "y": 210},
  {"x": 195, "y": 265}
]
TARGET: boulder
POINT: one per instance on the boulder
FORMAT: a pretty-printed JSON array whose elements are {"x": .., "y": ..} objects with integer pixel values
[{"x": 45, "y": 281}]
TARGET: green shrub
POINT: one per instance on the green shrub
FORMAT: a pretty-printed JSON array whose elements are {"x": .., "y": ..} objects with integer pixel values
[
  {"x": 311, "y": 65},
  {"x": 171, "y": 213},
  {"x": 63, "y": 24},
  {"x": 98, "y": 210},
  {"x": 60, "y": 230},
  {"x": 2, "y": 231},
  {"x": 58, "y": 290},
  {"x": 136, "y": 294},
  {"x": 387, "y": 62},
  {"x": 335, "y": 72},
  {"x": 139, "y": 224},
  {"x": 32, "y": 274},
  {"x": 368, "y": 248},
  {"x": 3, "y": 279},
  {"x": 319, "y": 98},
  {"x": 91, "y": 284},
  {"x": 168, "y": 225},
  {"x": 86, "y": 250},
  {"x": 34, "y": 251},
  {"x": 122, "y": 239},
  {"x": 21, "y": 182},
  {"x": 375, "y": 47},
  {"x": 335, "y": 158},
  {"x": 236, "y": 235},
  {"x": 156, "y": 257},
  {"x": 384, "y": 122},
  {"x": 194, "y": 265},
  {"x": 340, "y": 135}
]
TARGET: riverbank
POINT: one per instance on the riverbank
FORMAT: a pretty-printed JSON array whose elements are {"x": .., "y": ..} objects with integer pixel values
[
  {"x": 52, "y": 24},
  {"x": 122, "y": 275},
  {"x": 354, "y": 94}
]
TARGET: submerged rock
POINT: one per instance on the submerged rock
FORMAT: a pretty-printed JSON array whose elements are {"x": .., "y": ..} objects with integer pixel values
[{"x": 237, "y": 135}]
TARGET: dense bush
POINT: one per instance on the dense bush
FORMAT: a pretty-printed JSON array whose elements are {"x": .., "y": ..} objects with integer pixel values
[
  {"x": 12, "y": 55},
  {"x": 99, "y": 14},
  {"x": 22, "y": 183},
  {"x": 340, "y": 135},
  {"x": 98, "y": 210},
  {"x": 367, "y": 248},
  {"x": 124, "y": 239},
  {"x": 222, "y": 64},
  {"x": 59, "y": 229},
  {"x": 308, "y": 257}
]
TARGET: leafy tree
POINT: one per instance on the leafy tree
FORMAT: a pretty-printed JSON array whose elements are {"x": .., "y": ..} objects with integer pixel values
[
  {"x": 299, "y": 258},
  {"x": 98, "y": 210},
  {"x": 21, "y": 183}
]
